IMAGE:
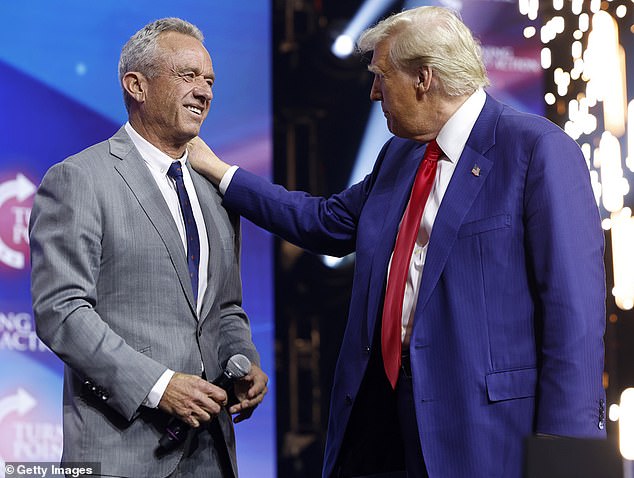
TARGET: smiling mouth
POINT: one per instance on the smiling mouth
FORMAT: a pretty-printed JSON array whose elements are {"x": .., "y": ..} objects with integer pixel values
[{"x": 195, "y": 110}]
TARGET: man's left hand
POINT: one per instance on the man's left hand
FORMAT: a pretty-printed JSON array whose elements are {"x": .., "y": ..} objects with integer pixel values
[{"x": 250, "y": 391}]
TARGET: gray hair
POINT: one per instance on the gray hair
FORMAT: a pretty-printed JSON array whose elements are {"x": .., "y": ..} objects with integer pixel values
[
  {"x": 436, "y": 37},
  {"x": 140, "y": 52}
]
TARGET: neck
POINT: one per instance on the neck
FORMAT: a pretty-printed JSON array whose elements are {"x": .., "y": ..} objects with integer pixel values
[
  {"x": 153, "y": 136},
  {"x": 443, "y": 108}
]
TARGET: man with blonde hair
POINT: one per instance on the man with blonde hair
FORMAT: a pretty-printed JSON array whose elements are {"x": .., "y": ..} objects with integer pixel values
[{"x": 477, "y": 312}]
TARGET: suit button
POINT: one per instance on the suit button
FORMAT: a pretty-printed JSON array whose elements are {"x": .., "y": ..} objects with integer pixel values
[
  {"x": 601, "y": 423},
  {"x": 86, "y": 386},
  {"x": 367, "y": 349},
  {"x": 200, "y": 331},
  {"x": 104, "y": 394},
  {"x": 348, "y": 400}
]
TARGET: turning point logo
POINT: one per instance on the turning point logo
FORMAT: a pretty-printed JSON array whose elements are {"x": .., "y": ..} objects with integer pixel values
[{"x": 14, "y": 220}]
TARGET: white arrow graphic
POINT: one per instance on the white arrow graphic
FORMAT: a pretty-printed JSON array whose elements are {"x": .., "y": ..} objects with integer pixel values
[
  {"x": 19, "y": 188},
  {"x": 21, "y": 402}
]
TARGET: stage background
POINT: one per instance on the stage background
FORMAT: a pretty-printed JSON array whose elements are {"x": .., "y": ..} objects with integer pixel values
[{"x": 59, "y": 93}]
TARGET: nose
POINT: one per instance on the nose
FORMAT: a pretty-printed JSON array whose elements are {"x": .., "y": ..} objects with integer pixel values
[
  {"x": 203, "y": 91},
  {"x": 375, "y": 91}
]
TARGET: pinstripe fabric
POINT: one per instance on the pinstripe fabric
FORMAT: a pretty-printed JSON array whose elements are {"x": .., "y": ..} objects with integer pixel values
[
  {"x": 113, "y": 299},
  {"x": 507, "y": 337}
]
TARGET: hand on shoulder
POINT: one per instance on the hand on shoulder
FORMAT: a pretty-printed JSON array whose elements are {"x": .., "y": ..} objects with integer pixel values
[{"x": 205, "y": 161}]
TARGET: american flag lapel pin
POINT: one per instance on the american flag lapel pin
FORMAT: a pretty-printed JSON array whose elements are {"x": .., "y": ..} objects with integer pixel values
[{"x": 476, "y": 170}]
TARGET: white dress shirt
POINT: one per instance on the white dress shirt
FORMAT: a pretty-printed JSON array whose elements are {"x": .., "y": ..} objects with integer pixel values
[{"x": 158, "y": 163}]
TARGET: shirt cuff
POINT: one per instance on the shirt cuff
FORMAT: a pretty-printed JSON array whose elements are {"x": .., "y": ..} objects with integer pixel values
[
  {"x": 226, "y": 179},
  {"x": 154, "y": 397}
]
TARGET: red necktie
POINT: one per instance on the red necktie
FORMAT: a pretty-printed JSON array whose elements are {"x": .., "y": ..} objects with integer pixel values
[{"x": 408, "y": 231}]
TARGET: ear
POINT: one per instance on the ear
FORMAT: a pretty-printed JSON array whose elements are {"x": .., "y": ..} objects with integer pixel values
[
  {"x": 135, "y": 84},
  {"x": 424, "y": 76}
]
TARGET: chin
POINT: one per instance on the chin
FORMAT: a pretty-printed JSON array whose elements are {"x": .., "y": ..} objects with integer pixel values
[
  {"x": 393, "y": 130},
  {"x": 191, "y": 132}
]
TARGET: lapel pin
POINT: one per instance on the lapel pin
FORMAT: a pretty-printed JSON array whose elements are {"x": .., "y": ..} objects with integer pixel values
[{"x": 476, "y": 170}]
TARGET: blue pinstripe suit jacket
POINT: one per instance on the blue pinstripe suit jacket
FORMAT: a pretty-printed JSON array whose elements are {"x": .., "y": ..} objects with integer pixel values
[{"x": 508, "y": 332}]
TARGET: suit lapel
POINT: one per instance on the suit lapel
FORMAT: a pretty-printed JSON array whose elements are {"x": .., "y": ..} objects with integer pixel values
[
  {"x": 135, "y": 173},
  {"x": 392, "y": 212},
  {"x": 459, "y": 197}
]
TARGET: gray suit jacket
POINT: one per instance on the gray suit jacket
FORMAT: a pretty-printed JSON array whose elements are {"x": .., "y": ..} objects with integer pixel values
[{"x": 112, "y": 298}]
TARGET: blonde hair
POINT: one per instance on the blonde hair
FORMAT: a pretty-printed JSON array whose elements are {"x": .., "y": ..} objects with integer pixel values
[{"x": 436, "y": 37}]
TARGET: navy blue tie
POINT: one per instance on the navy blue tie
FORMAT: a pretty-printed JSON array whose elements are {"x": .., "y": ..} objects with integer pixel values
[{"x": 191, "y": 231}]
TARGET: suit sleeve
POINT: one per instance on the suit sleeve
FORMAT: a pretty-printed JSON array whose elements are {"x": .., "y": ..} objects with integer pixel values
[
  {"x": 564, "y": 241},
  {"x": 65, "y": 239},
  {"x": 320, "y": 225}
]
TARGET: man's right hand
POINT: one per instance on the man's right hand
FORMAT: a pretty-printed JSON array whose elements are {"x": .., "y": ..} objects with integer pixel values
[
  {"x": 205, "y": 161},
  {"x": 192, "y": 399}
]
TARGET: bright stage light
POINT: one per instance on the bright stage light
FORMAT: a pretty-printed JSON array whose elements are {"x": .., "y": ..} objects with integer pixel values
[
  {"x": 343, "y": 46},
  {"x": 626, "y": 424}
]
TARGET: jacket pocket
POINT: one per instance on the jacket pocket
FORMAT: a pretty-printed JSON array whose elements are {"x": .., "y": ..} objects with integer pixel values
[
  {"x": 511, "y": 384},
  {"x": 483, "y": 225}
]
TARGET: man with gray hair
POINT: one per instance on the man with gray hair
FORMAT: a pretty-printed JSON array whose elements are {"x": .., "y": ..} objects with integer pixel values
[
  {"x": 136, "y": 283},
  {"x": 477, "y": 311}
]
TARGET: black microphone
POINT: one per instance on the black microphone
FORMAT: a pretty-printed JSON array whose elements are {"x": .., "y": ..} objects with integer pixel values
[{"x": 237, "y": 367}]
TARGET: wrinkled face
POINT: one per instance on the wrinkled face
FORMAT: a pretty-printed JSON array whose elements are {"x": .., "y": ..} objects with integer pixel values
[
  {"x": 397, "y": 92},
  {"x": 177, "y": 100}
]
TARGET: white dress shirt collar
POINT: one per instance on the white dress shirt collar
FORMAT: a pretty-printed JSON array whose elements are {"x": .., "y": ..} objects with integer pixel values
[{"x": 454, "y": 134}]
